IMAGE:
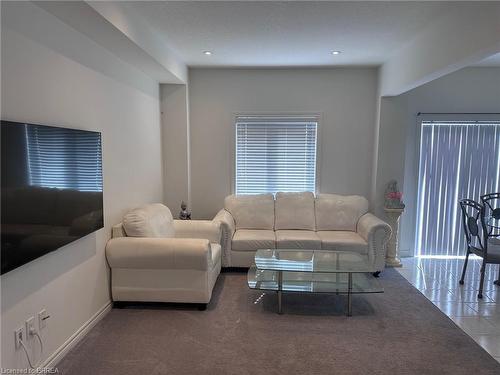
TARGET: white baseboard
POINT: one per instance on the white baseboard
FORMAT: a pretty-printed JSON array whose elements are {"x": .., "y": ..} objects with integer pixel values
[{"x": 70, "y": 343}]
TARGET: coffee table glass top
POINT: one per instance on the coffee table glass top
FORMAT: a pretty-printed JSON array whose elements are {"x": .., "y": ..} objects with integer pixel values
[{"x": 317, "y": 261}]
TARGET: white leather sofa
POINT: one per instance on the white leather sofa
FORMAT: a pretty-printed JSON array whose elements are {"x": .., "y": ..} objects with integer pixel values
[
  {"x": 154, "y": 258},
  {"x": 300, "y": 221}
]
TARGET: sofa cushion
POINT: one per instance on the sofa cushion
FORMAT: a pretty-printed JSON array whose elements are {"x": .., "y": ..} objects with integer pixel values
[
  {"x": 297, "y": 239},
  {"x": 295, "y": 211},
  {"x": 251, "y": 211},
  {"x": 339, "y": 212},
  {"x": 151, "y": 220},
  {"x": 253, "y": 239},
  {"x": 340, "y": 240}
]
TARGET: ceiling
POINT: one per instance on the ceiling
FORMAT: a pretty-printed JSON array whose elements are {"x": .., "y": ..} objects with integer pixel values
[{"x": 284, "y": 34}]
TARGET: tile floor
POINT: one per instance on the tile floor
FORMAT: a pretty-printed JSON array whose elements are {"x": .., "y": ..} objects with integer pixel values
[{"x": 437, "y": 279}]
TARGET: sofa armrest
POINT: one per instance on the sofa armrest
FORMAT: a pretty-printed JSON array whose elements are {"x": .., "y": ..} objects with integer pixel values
[
  {"x": 206, "y": 229},
  {"x": 228, "y": 227},
  {"x": 159, "y": 253},
  {"x": 377, "y": 233}
]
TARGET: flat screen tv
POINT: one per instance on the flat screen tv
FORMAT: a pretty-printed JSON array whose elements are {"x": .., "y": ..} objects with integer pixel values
[{"x": 51, "y": 189}]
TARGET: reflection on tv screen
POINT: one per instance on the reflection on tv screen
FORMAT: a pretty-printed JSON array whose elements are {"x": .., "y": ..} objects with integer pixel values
[{"x": 51, "y": 189}]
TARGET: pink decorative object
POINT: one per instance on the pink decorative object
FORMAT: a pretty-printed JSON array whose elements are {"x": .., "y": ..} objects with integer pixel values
[{"x": 395, "y": 195}]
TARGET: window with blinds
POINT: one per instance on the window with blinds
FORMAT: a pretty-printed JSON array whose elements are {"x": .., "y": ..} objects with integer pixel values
[
  {"x": 64, "y": 158},
  {"x": 457, "y": 160},
  {"x": 275, "y": 154}
]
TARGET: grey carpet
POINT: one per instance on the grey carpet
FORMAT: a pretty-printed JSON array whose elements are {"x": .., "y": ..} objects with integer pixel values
[{"x": 398, "y": 332}]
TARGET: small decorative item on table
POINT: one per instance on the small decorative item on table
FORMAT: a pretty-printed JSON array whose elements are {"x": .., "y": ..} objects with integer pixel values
[
  {"x": 393, "y": 196},
  {"x": 393, "y": 208},
  {"x": 184, "y": 214}
]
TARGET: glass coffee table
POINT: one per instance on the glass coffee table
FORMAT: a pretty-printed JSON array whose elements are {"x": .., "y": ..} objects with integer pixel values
[{"x": 312, "y": 271}]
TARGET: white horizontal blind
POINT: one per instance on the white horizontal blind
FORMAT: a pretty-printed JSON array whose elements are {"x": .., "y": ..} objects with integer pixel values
[
  {"x": 64, "y": 158},
  {"x": 457, "y": 160},
  {"x": 275, "y": 154}
]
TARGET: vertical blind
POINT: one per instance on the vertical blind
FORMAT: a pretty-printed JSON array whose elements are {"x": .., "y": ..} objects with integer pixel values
[
  {"x": 457, "y": 160},
  {"x": 64, "y": 158},
  {"x": 275, "y": 154}
]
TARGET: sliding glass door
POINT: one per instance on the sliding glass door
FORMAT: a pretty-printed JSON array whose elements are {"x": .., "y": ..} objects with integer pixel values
[{"x": 457, "y": 160}]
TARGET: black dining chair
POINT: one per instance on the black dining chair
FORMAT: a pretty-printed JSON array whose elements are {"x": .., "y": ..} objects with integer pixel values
[
  {"x": 474, "y": 225},
  {"x": 491, "y": 206}
]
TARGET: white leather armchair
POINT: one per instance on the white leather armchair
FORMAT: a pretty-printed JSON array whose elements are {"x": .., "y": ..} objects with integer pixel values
[{"x": 182, "y": 268}]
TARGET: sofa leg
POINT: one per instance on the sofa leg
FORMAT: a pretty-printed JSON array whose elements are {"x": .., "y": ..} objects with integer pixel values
[
  {"x": 202, "y": 306},
  {"x": 376, "y": 274}
]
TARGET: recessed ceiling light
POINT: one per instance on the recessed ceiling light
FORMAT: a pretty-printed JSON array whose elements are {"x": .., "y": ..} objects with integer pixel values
[
  {"x": 208, "y": 53},
  {"x": 336, "y": 52}
]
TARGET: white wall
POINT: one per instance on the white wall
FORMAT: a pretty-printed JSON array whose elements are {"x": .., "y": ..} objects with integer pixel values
[
  {"x": 470, "y": 90},
  {"x": 460, "y": 37},
  {"x": 345, "y": 97},
  {"x": 175, "y": 132},
  {"x": 43, "y": 86},
  {"x": 391, "y": 150}
]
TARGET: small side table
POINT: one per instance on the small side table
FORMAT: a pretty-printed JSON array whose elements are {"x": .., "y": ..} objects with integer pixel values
[{"x": 392, "y": 256}]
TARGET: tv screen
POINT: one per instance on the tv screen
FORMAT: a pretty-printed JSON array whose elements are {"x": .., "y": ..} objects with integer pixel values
[{"x": 51, "y": 189}]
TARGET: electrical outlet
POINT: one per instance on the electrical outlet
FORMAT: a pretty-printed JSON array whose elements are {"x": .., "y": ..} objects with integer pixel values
[
  {"x": 19, "y": 336},
  {"x": 30, "y": 327},
  {"x": 42, "y": 319}
]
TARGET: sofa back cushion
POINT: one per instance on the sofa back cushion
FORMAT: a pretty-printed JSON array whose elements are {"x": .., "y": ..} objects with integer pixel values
[
  {"x": 151, "y": 220},
  {"x": 295, "y": 211},
  {"x": 251, "y": 211},
  {"x": 339, "y": 212}
]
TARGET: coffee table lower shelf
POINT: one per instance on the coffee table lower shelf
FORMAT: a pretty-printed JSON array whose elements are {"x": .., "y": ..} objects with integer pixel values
[{"x": 347, "y": 283}]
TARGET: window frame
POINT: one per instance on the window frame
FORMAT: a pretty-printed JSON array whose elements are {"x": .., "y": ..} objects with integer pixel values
[{"x": 319, "y": 120}]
